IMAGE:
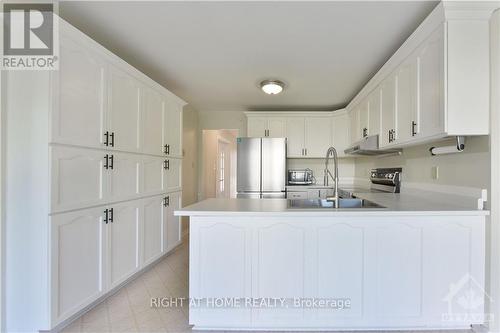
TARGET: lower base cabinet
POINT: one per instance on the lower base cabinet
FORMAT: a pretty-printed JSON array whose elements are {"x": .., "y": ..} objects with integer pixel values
[{"x": 95, "y": 250}]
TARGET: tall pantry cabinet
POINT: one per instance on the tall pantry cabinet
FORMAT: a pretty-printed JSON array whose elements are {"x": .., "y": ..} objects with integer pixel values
[{"x": 93, "y": 176}]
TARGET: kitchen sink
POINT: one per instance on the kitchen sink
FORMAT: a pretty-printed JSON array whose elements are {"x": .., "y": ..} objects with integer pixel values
[{"x": 323, "y": 203}]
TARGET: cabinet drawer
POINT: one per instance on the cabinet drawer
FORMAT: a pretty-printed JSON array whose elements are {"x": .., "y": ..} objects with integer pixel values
[{"x": 297, "y": 195}]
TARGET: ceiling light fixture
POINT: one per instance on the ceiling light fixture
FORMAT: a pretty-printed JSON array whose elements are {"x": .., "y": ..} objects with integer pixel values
[{"x": 272, "y": 87}]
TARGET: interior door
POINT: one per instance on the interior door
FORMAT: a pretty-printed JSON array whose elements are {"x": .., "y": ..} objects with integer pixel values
[
  {"x": 124, "y": 177},
  {"x": 124, "y": 110},
  {"x": 152, "y": 121},
  {"x": 318, "y": 136},
  {"x": 406, "y": 102},
  {"x": 173, "y": 129},
  {"x": 78, "y": 116},
  {"x": 388, "y": 93},
  {"x": 152, "y": 223},
  {"x": 123, "y": 242},
  {"x": 78, "y": 178},
  {"x": 223, "y": 172},
  {"x": 77, "y": 255},
  {"x": 172, "y": 224},
  {"x": 295, "y": 133}
]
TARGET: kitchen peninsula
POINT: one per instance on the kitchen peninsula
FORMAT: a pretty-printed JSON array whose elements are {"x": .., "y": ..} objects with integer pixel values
[{"x": 400, "y": 266}]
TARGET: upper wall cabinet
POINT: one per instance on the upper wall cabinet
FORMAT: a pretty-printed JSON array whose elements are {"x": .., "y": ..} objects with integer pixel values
[
  {"x": 172, "y": 129},
  {"x": 309, "y": 134},
  {"x": 436, "y": 84},
  {"x": 271, "y": 127},
  {"x": 153, "y": 104}
]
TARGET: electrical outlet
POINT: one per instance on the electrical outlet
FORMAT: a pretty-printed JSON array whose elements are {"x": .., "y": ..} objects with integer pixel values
[{"x": 435, "y": 172}]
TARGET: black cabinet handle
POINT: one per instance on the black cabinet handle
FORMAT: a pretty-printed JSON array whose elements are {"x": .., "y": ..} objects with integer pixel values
[
  {"x": 111, "y": 215},
  {"x": 112, "y": 142},
  {"x": 365, "y": 132},
  {"x": 106, "y": 211},
  {"x": 106, "y": 162},
  {"x": 389, "y": 132},
  {"x": 413, "y": 128},
  {"x": 167, "y": 149},
  {"x": 166, "y": 201},
  {"x": 111, "y": 162},
  {"x": 106, "y": 138},
  {"x": 166, "y": 164}
]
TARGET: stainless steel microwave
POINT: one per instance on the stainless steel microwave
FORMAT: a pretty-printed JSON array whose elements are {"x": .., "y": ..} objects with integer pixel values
[{"x": 300, "y": 177}]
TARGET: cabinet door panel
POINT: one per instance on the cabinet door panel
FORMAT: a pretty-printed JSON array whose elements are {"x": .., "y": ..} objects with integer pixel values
[
  {"x": 406, "y": 102},
  {"x": 123, "y": 110},
  {"x": 78, "y": 116},
  {"x": 276, "y": 127},
  {"x": 430, "y": 82},
  {"x": 124, "y": 178},
  {"x": 152, "y": 220},
  {"x": 152, "y": 121},
  {"x": 77, "y": 178},
  {"x": 295, "y": 133},
  {"x": 172, "y": 224},
  {"x": 173, "y": 176},
  {"x": 388, "y": 95},
  {"x": 364, "y": 118},
  {"x": 172, "y": 131},
  {"x": 354, "y": 120},
  {"x": 318, "y": 136},
  {"x": 256, "y": 127},
  {"x": 152, "y": 175},
  {"x": 123, "y": 242},
  {"x": 374, "y": 106},
  {"x": 77, "y": 254},
  {"x": 341, "y": 133}
]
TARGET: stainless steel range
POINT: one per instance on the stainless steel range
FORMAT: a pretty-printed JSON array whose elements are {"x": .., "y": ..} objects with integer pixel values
[{"x": 383, "y": 180}]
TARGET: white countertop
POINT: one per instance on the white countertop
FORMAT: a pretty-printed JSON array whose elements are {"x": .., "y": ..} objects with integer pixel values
[{"x": 423, "y": 203}]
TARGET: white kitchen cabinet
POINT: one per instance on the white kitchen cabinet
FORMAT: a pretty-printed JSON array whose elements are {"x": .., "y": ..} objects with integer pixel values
[
  {"x": 153, "y": 174},
  {"x": 295, "y": 134},
  {"x": 172, "y": 130},
  {"x": 77, "y": 257},
  {"x": 123, "y": 176},
  {"x": 171, "y": 224},
  {"x": 173, "y": 174},
  {"x": 152, "y": 221},
  {"x": 79, "y": 105},
  {"x": 77, "y": 177},
  {"x": 430, "y": 83},
  {"x": 123, "y": 110},
  {"x": 59, "y": 121},
  {"x": 388, "y": 112},
  {"x": 318, "y": 136},
  {"x": 263, "y": 126},
  {"x": 152, "y": 121},
  {"x": 123, "y": 241},
  {"x": 354, "y": 122},
  {"x": 374, "y": 107},
  {"x": 297, "y": 195},
  {"x": 341, "y": 132},
  {"x": 364, "y": 119},
  {"x": 406, "y": 104}
]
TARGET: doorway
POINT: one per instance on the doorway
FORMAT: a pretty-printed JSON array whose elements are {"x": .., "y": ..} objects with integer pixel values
[{"x": 218, "y": 171}]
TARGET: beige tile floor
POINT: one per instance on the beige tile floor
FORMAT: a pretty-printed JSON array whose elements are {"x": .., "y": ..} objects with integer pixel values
[{"x": 129, "y": 309}]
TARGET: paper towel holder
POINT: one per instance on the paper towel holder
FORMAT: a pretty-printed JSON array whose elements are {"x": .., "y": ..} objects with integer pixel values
[{"x": 458, "y": 148}]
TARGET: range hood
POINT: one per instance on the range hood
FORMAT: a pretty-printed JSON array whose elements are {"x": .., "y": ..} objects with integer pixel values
[{"x": 368, "y": 146}]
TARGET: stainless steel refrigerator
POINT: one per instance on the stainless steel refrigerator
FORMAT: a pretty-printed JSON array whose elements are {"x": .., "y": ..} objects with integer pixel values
[{"x": 261, "y": 164}]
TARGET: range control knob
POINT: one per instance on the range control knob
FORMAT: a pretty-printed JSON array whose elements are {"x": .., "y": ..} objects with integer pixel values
[
  {"x": 390, "y": 176},
  {"x": 374, "y": 175}
]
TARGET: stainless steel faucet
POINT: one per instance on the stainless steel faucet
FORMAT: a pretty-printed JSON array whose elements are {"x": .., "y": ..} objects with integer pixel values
[{"x": 335, "y": 197}]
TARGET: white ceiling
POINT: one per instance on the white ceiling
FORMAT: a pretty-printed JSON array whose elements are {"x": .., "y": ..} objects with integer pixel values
[{"x": 214, "y": 54}]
